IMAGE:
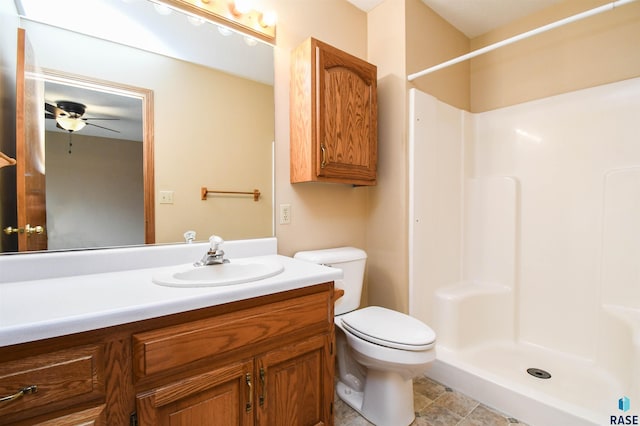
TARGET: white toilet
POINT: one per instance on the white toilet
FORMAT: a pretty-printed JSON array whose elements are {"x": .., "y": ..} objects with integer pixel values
[{"x": 379, "y": 351}]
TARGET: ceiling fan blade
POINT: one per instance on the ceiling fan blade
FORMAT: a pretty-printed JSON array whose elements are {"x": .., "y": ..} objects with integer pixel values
[
  {"x": 52, "y": 109},
  {"x": 49, "y": 115},
  {"x": 98, "y": 118},
  {"x": 106, "y": 128}
]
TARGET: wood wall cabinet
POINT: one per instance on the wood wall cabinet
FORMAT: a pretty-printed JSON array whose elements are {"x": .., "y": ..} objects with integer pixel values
[
  {"x": 263, "y": 361},
  {"x": 333, "y": 116}
]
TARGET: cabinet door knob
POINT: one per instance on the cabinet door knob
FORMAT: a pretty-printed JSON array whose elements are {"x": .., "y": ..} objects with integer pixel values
[{"x": 23, "y": 391}]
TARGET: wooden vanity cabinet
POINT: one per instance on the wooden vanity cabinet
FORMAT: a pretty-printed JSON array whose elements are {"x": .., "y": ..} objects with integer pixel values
[
  {"x": 333, "y": 116},
  {"x": 287, "y": 386},
  {"x": 262, "y": 361},
  {"x": 270, "y": 364}
]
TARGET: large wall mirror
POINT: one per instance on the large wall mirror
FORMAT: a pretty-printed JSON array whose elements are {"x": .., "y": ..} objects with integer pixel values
[{"x": 213, "y": 124}]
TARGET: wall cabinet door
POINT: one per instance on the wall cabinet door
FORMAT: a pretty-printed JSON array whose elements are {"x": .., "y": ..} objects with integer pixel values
[
  {"x": 295, "y": 384},
  {"x": 334, "y": 124},
  {"x": 221, "y": 397}
]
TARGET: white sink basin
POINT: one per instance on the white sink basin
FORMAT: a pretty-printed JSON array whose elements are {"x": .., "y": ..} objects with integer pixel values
[{"x": 237, "y": 271}]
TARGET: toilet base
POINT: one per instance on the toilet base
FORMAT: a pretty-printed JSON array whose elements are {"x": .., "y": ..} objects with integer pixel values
[{"x": 386, "y": 400}]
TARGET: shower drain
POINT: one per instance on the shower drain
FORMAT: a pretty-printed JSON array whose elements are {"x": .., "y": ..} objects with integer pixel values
[{"x": 539, "y": 373}]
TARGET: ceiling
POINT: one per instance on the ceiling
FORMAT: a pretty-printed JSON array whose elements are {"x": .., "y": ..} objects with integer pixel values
[
  {"x": 122, "y": 115},
  {"x": 475, "y": 17}
]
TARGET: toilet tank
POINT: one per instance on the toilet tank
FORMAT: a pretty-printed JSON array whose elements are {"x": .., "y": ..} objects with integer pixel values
[{"x": 352, "y": 262}]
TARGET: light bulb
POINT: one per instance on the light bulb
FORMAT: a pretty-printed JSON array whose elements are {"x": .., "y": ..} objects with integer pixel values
[
  {"x": 242, "y": 6},
  {"x": 269, "y": 18}
]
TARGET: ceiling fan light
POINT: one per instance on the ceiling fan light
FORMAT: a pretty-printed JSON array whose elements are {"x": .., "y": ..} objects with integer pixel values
[{"x": 70, "y": 124}]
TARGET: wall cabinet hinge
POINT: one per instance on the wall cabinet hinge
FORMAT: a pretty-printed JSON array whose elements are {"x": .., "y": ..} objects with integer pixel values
[
  {"x": 133, "y": 419},
  {"x": 331, "y": 348},
  {"x": 331, "y": 408}
]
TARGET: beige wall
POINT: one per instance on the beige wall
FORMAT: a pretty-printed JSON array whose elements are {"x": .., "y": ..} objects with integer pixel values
[
  {"x": 430, "y": 41},
  {"x": 228, "y": 148},
  {"x": 387, "y": 221},
  {"x": 594, "y": 51},
  {"x": 95, "y": 194},
  {"x": 322, "y": 215}
]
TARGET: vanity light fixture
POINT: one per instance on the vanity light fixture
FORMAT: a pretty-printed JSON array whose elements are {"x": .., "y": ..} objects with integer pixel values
[{"x": 238, "y": 15}]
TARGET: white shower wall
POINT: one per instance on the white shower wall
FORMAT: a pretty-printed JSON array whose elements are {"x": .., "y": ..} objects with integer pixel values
[{"x": 574, "y": 159}]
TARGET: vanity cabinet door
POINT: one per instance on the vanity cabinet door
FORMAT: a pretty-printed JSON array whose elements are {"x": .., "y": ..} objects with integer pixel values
[
  {"x": 333, "y": 116},
  {"x": 295, "y": 384},
  {"x": 221, "y": 397}
]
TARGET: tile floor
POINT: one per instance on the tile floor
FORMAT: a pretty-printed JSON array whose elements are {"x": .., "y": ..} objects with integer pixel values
[{"x": 435, "y": 405}]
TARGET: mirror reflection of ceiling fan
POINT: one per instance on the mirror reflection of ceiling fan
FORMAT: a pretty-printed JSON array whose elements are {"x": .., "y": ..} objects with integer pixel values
[{"x": 69, "y": 116}]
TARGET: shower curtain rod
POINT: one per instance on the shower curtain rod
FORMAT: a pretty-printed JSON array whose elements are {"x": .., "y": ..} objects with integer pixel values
[{"x": 478, "y": 52}]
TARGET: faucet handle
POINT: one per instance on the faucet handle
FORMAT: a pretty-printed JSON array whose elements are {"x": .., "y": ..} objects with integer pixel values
[
  {"x": 189, "y": 236},
  {"x": 215, "y": 242}
]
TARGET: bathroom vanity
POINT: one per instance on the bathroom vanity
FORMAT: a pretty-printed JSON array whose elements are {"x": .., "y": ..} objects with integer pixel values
[{"x": 260, "y": 352}]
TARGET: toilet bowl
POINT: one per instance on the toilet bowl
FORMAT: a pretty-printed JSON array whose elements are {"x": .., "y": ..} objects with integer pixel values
[{"x": 379, "y": 351}]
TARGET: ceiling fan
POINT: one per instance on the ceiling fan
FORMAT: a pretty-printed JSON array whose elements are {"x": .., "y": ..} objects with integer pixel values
[{"x": 69, "y": 116}]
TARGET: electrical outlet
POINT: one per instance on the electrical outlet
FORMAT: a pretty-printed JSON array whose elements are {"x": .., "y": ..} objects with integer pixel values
[
  {"x": 166, "y": 197},
  {"x": 285, "y": 214}
]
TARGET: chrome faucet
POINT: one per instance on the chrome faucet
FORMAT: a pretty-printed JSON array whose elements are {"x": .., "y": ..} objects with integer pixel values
[{"x": 215, "y": 255}]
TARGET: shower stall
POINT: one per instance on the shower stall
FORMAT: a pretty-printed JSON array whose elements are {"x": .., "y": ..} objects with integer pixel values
[{"x": 525, "y": 251}]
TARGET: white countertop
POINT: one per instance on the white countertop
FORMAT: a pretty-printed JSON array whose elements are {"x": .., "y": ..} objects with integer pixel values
[{"x": 41, "y": 308}]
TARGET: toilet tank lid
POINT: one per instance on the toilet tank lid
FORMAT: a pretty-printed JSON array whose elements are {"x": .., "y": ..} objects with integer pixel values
[{"x": 331, "y": 256}]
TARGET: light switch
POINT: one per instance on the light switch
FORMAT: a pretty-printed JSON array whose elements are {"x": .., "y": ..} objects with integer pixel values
[{"x": 166, "y": 197}]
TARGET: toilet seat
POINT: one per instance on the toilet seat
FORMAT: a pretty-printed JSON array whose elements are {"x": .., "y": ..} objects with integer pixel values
[{"x": 389, "y": 328}]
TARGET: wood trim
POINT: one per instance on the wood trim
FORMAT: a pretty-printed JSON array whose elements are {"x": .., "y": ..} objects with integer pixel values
[
  {"x": 148, "y": 161},
  {"x": 148, "y": 135},
  {"x": 20, "y": 135}
]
